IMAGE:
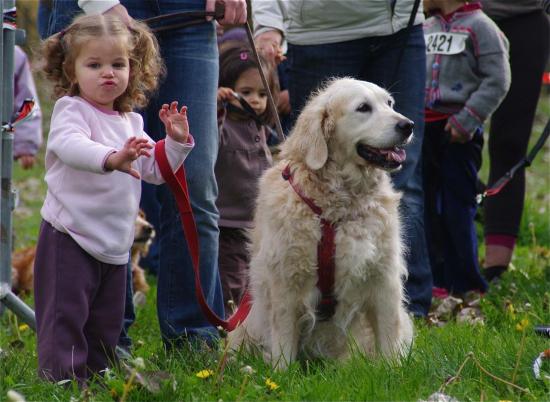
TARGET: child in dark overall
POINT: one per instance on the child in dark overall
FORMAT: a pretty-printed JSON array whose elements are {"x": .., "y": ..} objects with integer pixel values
[
  {"x": 242, "y": 158},
  {"x": 96, "y": 154},
  {"x": 468, "y": 75}
]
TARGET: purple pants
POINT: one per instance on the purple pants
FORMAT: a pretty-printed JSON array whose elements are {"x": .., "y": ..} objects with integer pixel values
[{"x": 79, "y": 303}]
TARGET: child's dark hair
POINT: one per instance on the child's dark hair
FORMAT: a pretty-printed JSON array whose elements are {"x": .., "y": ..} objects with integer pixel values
[
  {"x": 235, "y": 59},
  {"x": 60, "y": 51}
]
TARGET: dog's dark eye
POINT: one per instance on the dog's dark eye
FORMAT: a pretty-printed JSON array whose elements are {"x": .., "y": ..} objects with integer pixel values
[
  {"x": 390, "y": 103},
  {"x": 364, "y": 108}
]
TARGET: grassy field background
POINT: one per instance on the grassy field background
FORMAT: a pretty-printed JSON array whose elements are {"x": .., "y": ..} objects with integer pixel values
[{"x": 469, "y": 362}]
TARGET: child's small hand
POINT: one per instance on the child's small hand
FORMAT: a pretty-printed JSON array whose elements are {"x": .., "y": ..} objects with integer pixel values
[
  {"x": 283, "y": 103},
  {"x": 225, "y": 94},
  {"x": 122, "y": 160},
  {"x": 26, "y": 161},
  {"x": 176, "y": 124},
  {"x": 457, "y": 136}
]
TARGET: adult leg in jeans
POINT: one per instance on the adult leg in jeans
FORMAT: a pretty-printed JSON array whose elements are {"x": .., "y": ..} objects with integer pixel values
[
  {"x": 43, "y": 18},
  {"x": 124, "y": 340},
  {"x": 374, "y": 59},
  {"x": 407, "y": 87},
  {"x": 191, "y": 58}
]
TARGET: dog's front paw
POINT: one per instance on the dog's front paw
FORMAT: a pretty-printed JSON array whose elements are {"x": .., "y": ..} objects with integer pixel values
[{"x": 139, "y": 299}]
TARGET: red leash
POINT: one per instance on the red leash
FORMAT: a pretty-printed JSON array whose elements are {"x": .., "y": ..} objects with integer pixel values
[{"x": 178, "y": 184}]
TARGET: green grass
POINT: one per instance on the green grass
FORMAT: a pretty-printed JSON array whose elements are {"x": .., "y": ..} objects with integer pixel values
[
  {"x": 435, "y": 357},
  {"x": 498, "y": 347}
]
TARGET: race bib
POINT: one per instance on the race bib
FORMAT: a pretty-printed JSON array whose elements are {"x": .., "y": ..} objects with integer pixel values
[{"x": 445, "y": 42}]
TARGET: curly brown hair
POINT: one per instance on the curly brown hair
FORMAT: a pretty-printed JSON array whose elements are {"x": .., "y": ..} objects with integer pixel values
[{"x": 60, "y": 51}]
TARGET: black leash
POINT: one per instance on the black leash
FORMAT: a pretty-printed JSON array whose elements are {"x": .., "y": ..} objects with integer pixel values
[
  {"x": 181, "y": 19},
  {"x": 526, "y": 161},
  {"x": 249, "y": 112}
]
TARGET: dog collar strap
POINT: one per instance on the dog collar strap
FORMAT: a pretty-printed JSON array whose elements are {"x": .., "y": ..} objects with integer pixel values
[{"x": 326, "y": 249}]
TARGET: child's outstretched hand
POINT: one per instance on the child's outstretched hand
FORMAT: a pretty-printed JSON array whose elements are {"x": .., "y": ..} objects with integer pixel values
[
  {"x": 176, "y": 124},
  {"x": 122, "y": 160}
]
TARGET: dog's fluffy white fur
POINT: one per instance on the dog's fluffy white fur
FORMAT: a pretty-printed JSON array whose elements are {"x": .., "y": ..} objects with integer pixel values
[{"x": 357, "y": 196}]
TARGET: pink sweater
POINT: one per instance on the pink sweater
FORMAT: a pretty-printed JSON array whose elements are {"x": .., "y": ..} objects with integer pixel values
[{"x": 96, "y": 208}]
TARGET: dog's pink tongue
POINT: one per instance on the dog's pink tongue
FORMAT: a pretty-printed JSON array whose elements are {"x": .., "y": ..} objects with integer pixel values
[{"x": 398, "y": 155}]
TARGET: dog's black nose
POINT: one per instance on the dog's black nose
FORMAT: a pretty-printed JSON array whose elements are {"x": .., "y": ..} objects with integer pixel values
[
  {"x": 148, "y": 229},
  {"x": 405, "y": 127}
]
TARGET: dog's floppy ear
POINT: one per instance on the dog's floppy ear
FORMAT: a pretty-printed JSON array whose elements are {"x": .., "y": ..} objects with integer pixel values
[{"x": 312, "y": 131}]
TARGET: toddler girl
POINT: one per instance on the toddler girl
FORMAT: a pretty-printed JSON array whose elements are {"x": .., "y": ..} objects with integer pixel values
[
  {"x": 96, "y": 153},
  {"x": 242, "y": 157}
]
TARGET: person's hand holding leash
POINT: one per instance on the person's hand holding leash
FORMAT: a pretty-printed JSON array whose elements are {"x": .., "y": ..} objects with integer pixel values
[
  {"x": 234, "y": 11},
  {"x": 176, "y": 124},
  {"x": 122, "y": 160},
  {"x": 269, "y": 45}
]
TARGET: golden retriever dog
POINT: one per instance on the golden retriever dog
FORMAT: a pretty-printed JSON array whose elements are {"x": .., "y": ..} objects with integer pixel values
[
  {"x": 22, "y": 271},
  {"x": 345, "y": 141}
]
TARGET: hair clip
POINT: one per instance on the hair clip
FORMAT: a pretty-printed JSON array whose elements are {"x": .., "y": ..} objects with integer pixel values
[
  {"x": 244, "y": 56},
  {"x": 62, "y": 33}
]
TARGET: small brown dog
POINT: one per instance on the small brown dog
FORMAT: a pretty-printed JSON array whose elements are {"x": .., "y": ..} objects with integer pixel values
[
  {"x": 22, "y": 267},
  {"x": 143, "y": 237},
  {"x": 23, "y": 262}
]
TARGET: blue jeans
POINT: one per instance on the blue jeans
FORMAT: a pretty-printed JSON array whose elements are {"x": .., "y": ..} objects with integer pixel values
[
  {"x": 151, "y": 206},
  {"x": 124, "y": 339},
  {"x": 43, "y": 19},
  {"x": 374, "y": 59},
  {"x": 191, "y": 58}
]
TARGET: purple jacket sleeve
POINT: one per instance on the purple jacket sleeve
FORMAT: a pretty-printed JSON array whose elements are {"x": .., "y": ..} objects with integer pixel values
[{"x": 28, "y": 135}]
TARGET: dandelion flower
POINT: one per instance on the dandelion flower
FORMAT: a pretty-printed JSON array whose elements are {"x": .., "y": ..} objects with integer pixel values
[
  {"x": 203, "y": 374},
  {"x": 511, "y": 310},
  {"x": 520, "y": 326},
  {"x": 271, "y": 385},
  {"x": 247, "y": 370},
  {"x": 139, "y": 363},
  {"x": 23, "y": 327}
]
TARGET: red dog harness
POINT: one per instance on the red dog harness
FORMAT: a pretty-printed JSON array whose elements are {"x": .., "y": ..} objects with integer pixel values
[{"x": 326, "y": 249}]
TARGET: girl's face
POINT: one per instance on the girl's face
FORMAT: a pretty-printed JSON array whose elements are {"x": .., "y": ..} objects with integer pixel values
[
  {"x": 102, "y": 70},
  {"x": 250, "y": 87}
]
